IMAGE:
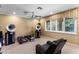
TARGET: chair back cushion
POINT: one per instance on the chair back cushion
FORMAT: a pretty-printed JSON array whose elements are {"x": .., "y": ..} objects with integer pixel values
[{"x": 60, "y": 45}]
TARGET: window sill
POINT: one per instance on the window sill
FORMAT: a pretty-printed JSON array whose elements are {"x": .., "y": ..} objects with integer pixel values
[{"x": 74, "y": 33}]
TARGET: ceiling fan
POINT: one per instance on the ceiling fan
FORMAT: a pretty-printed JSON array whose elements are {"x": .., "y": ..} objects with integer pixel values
[{"x": 33, "y": 16}]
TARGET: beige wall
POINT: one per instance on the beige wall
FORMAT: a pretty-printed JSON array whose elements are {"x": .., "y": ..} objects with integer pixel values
[
  {"x": 73, "y": 38},
  {"x": 23, "y": 25}
]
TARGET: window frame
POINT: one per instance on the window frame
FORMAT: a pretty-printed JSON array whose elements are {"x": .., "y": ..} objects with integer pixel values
[
  {"x": 63, "y": 27},
  {"x": 46, "y": 25}
]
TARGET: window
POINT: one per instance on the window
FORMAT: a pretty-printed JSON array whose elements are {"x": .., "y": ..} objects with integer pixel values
[
  {"x": 63, "y": 25},
  {"x": 47, "y": 25},
  {"x": 53, "y": 25},
  {"x": 69, "y": 25},
  {"x": 60, "y": 25}
]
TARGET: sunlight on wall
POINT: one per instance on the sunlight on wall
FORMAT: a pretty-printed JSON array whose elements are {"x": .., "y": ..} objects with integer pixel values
[
  {"x": 35, "y": 21},
  {"x": 42, "y": 20},
  {"x": 13, "y": 19}
]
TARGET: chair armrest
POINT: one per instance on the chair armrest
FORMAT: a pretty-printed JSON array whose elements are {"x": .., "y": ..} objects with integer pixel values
[{"x": 39, "y": 49}]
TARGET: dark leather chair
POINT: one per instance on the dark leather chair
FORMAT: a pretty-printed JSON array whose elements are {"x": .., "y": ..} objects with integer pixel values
[
  {"x": 41, "y": 49},
  {"x": 54, "y": 47}
]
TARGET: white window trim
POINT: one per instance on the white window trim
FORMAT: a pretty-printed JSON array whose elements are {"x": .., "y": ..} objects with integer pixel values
[
  {"x": 45, "y": 27},
  {"x": 51, "y": 25},
  {"x": 75, "y": 28}
]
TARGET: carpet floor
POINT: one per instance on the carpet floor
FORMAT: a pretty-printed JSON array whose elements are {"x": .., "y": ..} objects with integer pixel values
[{"x": 29, "y": 47}]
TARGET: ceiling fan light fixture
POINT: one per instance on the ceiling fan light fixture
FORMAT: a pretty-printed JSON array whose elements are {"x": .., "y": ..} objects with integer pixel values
[
  {"x": 25, "y": 12},
  {"x": 40, "y": 8},
  {"x": 14, "y": 13},
  {"x": 51, "y": 13}
]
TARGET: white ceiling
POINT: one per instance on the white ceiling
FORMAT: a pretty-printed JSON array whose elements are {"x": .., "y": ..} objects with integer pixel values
[{"x": 47, "y": 9}]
